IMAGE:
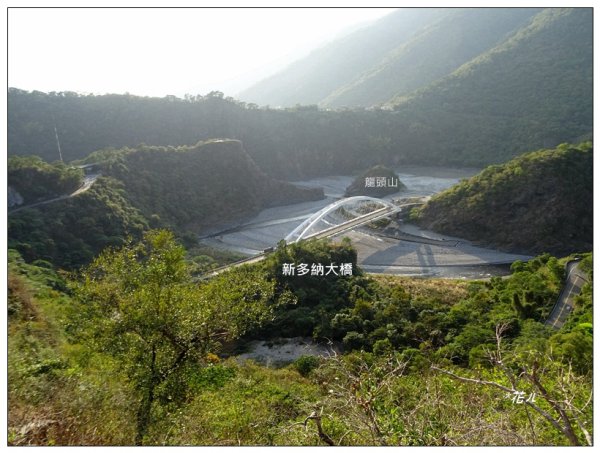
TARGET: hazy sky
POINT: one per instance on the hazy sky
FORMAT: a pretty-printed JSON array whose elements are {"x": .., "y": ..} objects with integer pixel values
[{"x": 155, "y": 52}]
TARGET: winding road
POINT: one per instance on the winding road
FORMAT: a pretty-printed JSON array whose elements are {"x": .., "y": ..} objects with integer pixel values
[
  {"x": 565, "y": 304},
  {"x": 88, "y": 181}
]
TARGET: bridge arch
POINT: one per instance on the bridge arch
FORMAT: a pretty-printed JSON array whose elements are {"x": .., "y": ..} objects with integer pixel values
[{"x": 301, "y": 230}]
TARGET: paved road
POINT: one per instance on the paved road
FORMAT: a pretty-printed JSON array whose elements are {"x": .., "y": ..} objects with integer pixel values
[
  {"x": 354, "y": 223},
  {"x": 88, "y": 181},
  {"x": 566, "y": 299}
]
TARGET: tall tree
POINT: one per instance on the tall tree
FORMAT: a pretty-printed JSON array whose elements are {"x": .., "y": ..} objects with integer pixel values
[{"x": 139, "y": 305}]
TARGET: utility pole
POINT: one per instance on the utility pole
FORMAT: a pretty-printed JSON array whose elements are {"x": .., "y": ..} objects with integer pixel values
[{"x": 58, "y": 144}]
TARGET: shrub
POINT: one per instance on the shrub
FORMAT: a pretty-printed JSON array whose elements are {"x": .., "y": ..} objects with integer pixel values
[{"x": 306, "y": 363}]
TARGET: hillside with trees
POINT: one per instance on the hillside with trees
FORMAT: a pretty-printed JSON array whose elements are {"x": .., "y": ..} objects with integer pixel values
[
  {"x": 377, "y": 181},
  {"x": 131, "y": 351},
  {"x": 414, "y": 49},
  {"x": 538, "y": 202},
  {"x": 433, "y": 52},
  {"x": 206, "y": 186},
  {"x": 462, "y": 87},
  {"x": 71, "y": 232},
  {"x": 407, "y": 50},
  {"x": 35, "y": 180},
  {"x": 297, "y": 143},
  {"x": 125, "y": 328},
  {"x": 191, "y": 190},
  {"x": 530, "y": 90}
]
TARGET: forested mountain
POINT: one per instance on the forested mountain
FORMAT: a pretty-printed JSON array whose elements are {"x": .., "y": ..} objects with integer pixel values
[
  {"x": 412, "y": 49},
  {"x": 405, "y": 50},
  {"x": 538, "y": 202},
  {"x": 31, "y": 179},
  {"x": 207, "y": 185},
  {"x": 71, "y": 232},
  {"x": 188, "y": 189},
  {"x": 294, "y": 143},
  {"x": 467, "y": 87},
  {"x": 315, "y": 77},
  {"x": 113, "y": 339},
  {"x": 530, "y": 90},
  {"x": 460, "y": 87}
]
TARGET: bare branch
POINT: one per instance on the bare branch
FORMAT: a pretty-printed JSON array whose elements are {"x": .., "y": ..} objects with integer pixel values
[
  {"x": 568, "y": 427},
  {"x": 317, "y": 418},
  {"x": 542, "y": 412},
  {"x": 473, "y": 381}
]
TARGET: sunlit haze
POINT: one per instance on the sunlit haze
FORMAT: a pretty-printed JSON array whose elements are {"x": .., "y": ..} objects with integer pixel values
[{"x": 155, "y": 52}]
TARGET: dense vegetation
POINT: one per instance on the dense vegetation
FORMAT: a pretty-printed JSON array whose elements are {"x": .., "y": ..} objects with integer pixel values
[
  {"x": 540, "y": 76},
  {"x": 36, "y": 180},
  {"x": 114, "y": 339},
  {"x": 532, "y": 89},
  {"x": 369, "y": 183},
  {"x": 319, "y": 297},
  {"x": 71, "y": 232},
  {"x": 188, "y": 189},
  {"x": 91, "y": 363},
  {"x": 538, "y": 202},
  {"x": 208, "y": 185}
]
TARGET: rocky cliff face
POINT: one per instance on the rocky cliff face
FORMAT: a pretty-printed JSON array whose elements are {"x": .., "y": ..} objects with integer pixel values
[{"x": 14, "y": 198}]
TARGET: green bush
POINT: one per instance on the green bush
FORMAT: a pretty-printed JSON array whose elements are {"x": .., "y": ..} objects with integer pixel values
[{"x": 306, "y": 364}]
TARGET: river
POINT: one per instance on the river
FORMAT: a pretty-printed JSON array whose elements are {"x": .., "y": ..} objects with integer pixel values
[{"x": 442, "y": 256}]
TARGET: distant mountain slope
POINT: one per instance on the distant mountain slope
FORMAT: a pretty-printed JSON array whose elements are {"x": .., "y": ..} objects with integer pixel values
[
  {"x": 433, "y": 52},
  {"x": 312, "y": 79},
  {"x": 405, "y": 50},
  {"x": 538, "y": 202},
  {"x": 535, "y": 88},
  {"x": 451, "y": 60}
]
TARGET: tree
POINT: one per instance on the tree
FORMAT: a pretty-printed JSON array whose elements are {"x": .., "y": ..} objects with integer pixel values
[
  {"x": 564, "y": 398},
  {"x": 139, "y": 305}
]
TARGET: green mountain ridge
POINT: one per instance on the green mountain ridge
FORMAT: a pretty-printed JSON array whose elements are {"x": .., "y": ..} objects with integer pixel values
[
  {"x": 531, "y": 90},
  {"x": 34, "y": 180},
  {"x": 188, "y": 189},
  {"x": 310, "y": 80},
  {"x": 510, "y": 81},
  {"x": 538, "y": 202},
  {"x": 198, "y": 187},
  {"x": 113, "y": 339},
  {"x": 413, "y": 49},
  {"x": 433, "y": 52}
]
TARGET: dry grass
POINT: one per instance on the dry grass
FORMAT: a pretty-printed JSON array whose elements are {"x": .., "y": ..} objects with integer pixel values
[
  {"x": 448, "y": 291},
  {"x": 20, "y": 300}
]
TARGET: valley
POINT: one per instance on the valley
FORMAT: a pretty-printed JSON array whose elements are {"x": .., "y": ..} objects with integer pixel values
[
  {"x": 377, "y": 254},
  {"x": 388, "y": 242}
]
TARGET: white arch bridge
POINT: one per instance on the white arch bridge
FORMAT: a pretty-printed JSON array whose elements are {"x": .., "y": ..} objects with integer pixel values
[
  {"x": 342, "y": 215},
  {"x": 329, "y": 221}
]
